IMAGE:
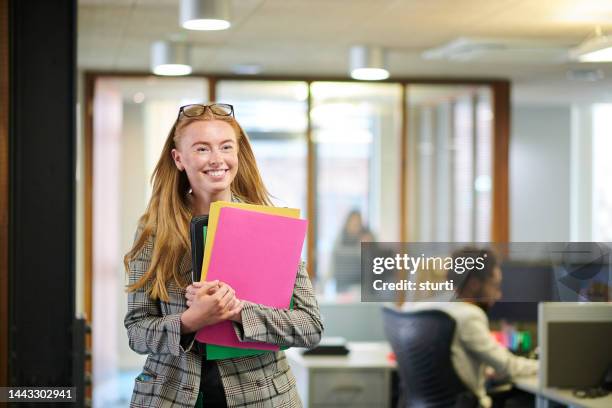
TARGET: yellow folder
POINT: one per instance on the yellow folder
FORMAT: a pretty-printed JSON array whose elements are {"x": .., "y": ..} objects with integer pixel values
[{"x": 213, "y": 218}]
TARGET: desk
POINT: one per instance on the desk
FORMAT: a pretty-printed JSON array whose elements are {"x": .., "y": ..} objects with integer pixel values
[
  {"x": 360, "y": 379},
  {"x": 562, "y": 396},
  {"x": 363, "y": 379}
]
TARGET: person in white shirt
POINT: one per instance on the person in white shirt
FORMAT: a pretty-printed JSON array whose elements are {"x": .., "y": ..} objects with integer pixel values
[{"x": 473, "y": 348}]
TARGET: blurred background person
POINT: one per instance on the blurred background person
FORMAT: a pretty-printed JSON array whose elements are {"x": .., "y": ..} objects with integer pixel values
[{"x": 345, "y": 269}]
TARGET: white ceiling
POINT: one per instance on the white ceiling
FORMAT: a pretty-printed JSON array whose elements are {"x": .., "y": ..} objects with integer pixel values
[{"x": 312, "y": 37}]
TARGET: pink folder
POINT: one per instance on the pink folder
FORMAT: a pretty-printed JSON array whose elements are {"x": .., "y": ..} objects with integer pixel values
[{"x": 258, "y": 255}]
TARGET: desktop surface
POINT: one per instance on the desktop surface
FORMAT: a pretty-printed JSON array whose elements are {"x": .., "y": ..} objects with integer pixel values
[
  {"x": 564, "y": 396},
  {"x": 361, "y": 355}
]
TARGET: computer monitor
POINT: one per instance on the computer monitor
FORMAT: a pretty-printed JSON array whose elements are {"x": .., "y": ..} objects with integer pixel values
[
  {"x": 574, "y": 341},
  {"x": 529, "y": 282},
  {"x": 347, "y": 267}
]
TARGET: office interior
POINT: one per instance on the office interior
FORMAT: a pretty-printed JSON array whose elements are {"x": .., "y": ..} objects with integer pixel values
[{"x": 489, "y": 128}]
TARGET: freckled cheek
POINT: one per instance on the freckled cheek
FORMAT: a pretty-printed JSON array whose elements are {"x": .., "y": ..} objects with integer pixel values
[
  {"x": 199, "y": 162},
  {"x": 233, "y": 162}
]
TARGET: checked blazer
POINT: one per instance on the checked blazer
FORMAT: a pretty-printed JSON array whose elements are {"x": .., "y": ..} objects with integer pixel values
[{"x": 173, "y": 366}]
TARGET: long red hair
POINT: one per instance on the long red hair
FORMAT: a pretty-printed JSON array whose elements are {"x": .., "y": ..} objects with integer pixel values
[{"x": 168, "y": 213}]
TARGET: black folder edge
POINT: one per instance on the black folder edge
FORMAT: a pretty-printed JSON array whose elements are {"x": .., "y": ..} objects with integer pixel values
[{"x": 196, "y": 232}]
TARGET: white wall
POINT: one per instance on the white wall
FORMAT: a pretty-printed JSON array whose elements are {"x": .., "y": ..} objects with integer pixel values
[{"x": 540, "y": 173}]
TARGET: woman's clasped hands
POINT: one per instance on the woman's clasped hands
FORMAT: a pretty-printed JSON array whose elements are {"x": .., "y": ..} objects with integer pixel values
[{"x": 209, "y": 303}]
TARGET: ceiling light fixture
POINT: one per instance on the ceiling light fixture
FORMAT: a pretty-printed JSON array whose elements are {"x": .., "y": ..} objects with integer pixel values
[
  {"x": 368, "y": 63},
  {"x": 170, "y": 58},
  {"x": 596, "y": 48},
  {"x": 205, "y": 14}
]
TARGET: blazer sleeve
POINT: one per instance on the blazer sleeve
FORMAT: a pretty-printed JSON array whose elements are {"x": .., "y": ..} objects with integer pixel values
[
  {"x": 298, "y": 327},
  {"x": 149, "y": 331}
]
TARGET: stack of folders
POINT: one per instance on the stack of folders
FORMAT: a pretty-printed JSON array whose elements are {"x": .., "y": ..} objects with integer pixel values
[{"x": 256, "y": 250}]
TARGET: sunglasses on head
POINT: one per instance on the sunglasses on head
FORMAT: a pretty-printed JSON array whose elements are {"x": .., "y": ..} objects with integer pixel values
[{"x": 195, "y": 110}]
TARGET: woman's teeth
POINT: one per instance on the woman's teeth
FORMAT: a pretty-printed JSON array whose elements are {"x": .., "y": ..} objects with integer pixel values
[{"x": 216, "y": 173}]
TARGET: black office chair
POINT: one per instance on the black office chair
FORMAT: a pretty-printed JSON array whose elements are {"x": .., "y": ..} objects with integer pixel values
[{"x": 421, "y": 342}]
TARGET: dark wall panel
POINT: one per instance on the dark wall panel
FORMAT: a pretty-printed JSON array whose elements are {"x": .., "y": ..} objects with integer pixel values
[{"x": 42, "y": 188}]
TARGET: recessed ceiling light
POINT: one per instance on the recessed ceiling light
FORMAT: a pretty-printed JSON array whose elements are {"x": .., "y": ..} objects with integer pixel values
[
  {"x": 211, "y": 15},
  {"x": 368, "y": 63},
  {"x": 370, "y": 74},
  {"x": 170, "y": 58},
  {"x": 172, "y": 70}
]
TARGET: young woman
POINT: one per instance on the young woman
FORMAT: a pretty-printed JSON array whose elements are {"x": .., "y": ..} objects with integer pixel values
[{"x": 206, "y": 157}]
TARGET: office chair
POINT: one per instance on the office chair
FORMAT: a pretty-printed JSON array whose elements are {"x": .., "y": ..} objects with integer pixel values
[{"x": 421, "y": 342}]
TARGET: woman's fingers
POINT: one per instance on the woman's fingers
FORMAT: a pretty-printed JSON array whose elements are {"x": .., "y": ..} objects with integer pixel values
[
  {"x": 198, "y": 289},
  {"x": 201, "y": 287},
  {"x": 219, "y": 297},
  {"x": 235, "y": 311},
  {"x": 232, "y": 304},
  {"x": 231, "y": 290},
  {"x": 225, "y": 306},
  {"x": 228, "y": 296},
  {"x": 190, "y": 292},
  {"x": 207, "y": 285}
]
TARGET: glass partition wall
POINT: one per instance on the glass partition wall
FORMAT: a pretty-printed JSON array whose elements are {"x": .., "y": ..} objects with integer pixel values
[
  {"x": 450, "y": 161},
  {"x": 363, "y": 161},
  {"x": 355, "y": 132}
]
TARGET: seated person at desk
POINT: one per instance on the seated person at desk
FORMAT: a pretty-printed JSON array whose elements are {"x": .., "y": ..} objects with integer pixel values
[
  {"x": 474, "y": 348},
  {"x": 345, "y": 265}
]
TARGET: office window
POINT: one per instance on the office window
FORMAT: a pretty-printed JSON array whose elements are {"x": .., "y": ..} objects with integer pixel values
[
  {"x": 449, "y": 163},
  {"x": 355, "y": 128}
]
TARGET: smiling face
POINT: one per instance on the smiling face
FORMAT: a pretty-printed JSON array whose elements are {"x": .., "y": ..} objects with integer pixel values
[{"x": 207, "y": 150}]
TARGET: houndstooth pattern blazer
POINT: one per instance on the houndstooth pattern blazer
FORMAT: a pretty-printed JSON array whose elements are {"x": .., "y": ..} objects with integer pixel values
[{"x": 173, "y": 366}]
